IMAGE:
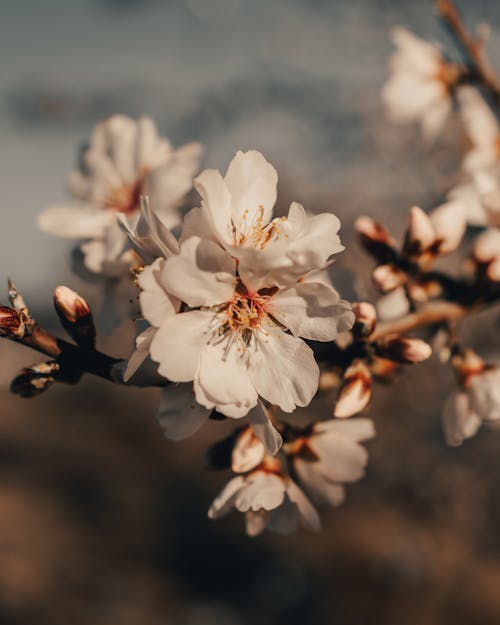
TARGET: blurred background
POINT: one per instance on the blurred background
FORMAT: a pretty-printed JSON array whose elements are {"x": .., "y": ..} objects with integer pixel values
[{"x": 102, "y": 521}]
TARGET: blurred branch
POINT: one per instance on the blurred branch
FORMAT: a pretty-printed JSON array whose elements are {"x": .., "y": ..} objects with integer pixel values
[{"x": 472, "y": 48}]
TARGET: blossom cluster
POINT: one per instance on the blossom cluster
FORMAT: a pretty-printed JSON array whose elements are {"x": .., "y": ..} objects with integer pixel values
[{"x": 238, "y": 317}]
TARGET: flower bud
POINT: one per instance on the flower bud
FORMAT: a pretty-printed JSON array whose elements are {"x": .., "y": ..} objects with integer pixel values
[
  {"x": 486, "y": 254},
  {"x": 75, "y": 316},
  {"x": 420, "y": 234},
  {"x": 11, "y": 323},
  {"x": 35, "y": 380},
  {"x": 388, "y": 277},
  {"x": 449, "y": 222},
  {"x": 365, "y": 319},
  {"x": 375, "y": 239},
  {"x": 248, "y": 452},
  {"x": 403, "y": 349},
  {"x": 356, "y": 391}
]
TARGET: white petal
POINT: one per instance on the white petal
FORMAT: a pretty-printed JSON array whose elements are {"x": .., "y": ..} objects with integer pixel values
[
  {"x": 261, "y": 491},
  {"x": 264, "y": 429},
  {"x": 202, "y": 274},
  {"x": 256, "y": 522},
  {"x": 223, "y": 503},
  {"x": 309, "y": 516},
  {"x": 142, "y": 342},
  {"x": 75, "y": 222},
  {"x": 217, "y": 200},
  {"x": 393, "y": 305},
  {"x": 340, "y": 458},
  {"x": 156, "y": 304},
  {"x": 320, "y": 488},
  {"x": 484, "y": 394},
  {"x": 178, "y": 344},
  {"x": 354, "y": 429},
  {"x": 283, "y": 369},
  {"x": 459, "y": 421},
  {"x": 312, "y": 310},
  {"x": 223, "y": 376},
  {"x": 179, "y": 414},
  {"x": 251, "y": 181},
  {"x": 449, "y": 222},
  {"x": 197, "y": 223}
]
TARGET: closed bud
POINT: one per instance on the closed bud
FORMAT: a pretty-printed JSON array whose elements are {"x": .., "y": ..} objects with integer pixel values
[
  {"x": 486, "y": 254},
  {"x": 75, "y": 315},
  {"x": 35, "y": 380},
  {"x": 449, "y": 222},
  {"x": 356, "y": 391},
  {"x": 365, "y": 319},
  {"x": 11, "y": 323},
  {"x": 420, "y": 234},
  {"x": 388, "y": 277},
  {"x": 467, "y": 365},
  {"x": 403, "y": 349},
  {"x": 375, "y": 239},
  {"x": 248, "y": 452}
]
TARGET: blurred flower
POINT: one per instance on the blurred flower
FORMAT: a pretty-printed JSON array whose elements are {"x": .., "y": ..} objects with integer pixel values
[
  {"x": 75, "y": 315},
  {"x": 269, "y": 499},
  {"x": 418, "y": 88},
  {"x": 240, "y": 337},
  {"x": 329, "y": 456},
  {"x": 356, "y": 390},
  {"x": 125, "y": 159},
  {"x": 486, "y": 254}
]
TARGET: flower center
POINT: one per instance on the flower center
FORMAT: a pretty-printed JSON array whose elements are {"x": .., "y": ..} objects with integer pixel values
[
  {"x": 126, "y": 199},
  {"x": 256, "y": 233}
]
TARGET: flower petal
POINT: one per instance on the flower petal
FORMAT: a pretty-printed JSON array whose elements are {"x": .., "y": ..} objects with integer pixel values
[
  {"x": 312, "y": 310},
  {"x": 178, "y": 344},
  {"x": 217, "y": 200},
  {"x": 261, "y": 491},
  {"x": 264, "y": 429},
  {"x": 156, "y": 304},
  {"x": 179, "y": 414},
  {"x": 224, "y": 501},
  {"x": 283, "y": 370},
  {"x": 202, "y": 274},
  {"x": 224, "y": 378},
  {"x": 308, "y": 513},
  {"x": 143, "y": 343},
  {"x": 74, "y": 222},
  {"x": 459, "y": 421},
  {"x": 251, "y": 181}
]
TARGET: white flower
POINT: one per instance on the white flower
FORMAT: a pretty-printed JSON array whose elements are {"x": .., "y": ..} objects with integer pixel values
[
  {"x": 483, "y": 130},
  {"x": 418, "y": 87},
  {"x": 330, "y": 455},
  {"x": 240, "y": 337},
  {"x": 478, "y": 403},
  {"x": 124, "y": 160},
  {"x": 269, "y": 499}
]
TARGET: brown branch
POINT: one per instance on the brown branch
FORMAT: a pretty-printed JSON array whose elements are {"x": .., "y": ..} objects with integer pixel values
[
  {"x": 472, "y": 48},
  {"x": 427, "y": 315}
]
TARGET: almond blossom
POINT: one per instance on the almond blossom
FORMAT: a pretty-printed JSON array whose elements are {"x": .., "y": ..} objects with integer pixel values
[
  {"x": 418, "y": 89},
  {"x": 124, "y": 160},
  {"x": 247, "y": 298},
  {"x": 269, "y": 498},
  {"x": 329, "y": 455},
  {"x": 467, "y": 409}
]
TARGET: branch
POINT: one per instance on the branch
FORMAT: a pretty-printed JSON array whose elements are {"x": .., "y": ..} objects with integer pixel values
[{"x": 472, "y": 48}]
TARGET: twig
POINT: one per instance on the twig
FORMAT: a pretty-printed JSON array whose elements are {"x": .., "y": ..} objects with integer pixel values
[{"x": 472, "y": 48}]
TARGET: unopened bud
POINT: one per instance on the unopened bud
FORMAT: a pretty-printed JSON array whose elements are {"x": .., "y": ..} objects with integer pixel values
[
  {"x": 11, "y": 323},
  {"x": 403, "y": 349},
  {"x": 467, "y": 364},
  {"x": 75, "y": 315},
  {"x": 365, "y": 319},
  {"x": 356, "y": 391},
  {"x": 33, "y": 381},
  {"x": 486, "y": 254},
  {"x": 248, "y": 452},
  {"x": 449, "y": 222},
  {"x": 375, "y": 239},
  {"x": 420, "y": 234},
  {"x": 388, "y": 277}
]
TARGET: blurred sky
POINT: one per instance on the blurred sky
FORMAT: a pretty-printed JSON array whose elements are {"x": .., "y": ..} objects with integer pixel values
[{"x": 298, "y": 79}]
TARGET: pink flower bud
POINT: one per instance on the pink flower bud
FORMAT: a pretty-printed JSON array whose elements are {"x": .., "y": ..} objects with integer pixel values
[
  {"x": 356, "y": 391},
  {"x": 376, "y": 240},
  {"x": 11, "y": 322},
  {"x": 403, "y": 349},
  {"x": 420, "y": 234},
  {"x": 75, "y": 315},
  {"x": 388, "y": 277},
  {"x": 366, "y": 319}
]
